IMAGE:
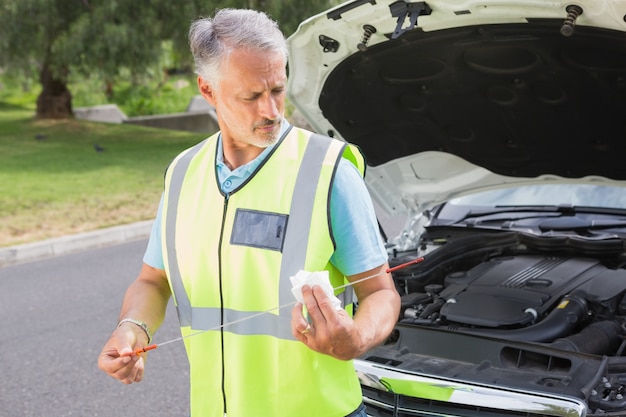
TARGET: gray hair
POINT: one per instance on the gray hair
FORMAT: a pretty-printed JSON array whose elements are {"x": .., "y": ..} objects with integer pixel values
[{"x": 212, "y": 40}]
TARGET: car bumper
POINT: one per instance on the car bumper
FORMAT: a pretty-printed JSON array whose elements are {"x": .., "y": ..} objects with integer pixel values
[{"x": 390, "y": 392}]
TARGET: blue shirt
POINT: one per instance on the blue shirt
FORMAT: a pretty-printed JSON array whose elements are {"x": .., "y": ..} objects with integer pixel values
[{"x": 359, "y": 246}]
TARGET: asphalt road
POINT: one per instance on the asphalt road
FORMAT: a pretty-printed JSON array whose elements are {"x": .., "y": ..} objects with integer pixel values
[{"x": 55, "y": 316}]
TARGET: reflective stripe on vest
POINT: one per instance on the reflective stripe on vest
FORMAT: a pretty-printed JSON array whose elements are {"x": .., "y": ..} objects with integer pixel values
[
  {"x": 178, "y": 174},
  {"x": 318, "y": 149}
]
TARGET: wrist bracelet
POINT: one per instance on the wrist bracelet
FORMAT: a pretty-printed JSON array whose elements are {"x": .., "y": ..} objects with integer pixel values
[{"x": 141, "y": 324}]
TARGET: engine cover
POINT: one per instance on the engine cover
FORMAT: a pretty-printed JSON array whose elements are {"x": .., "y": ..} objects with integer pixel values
[{"x": 512, "y": 292}]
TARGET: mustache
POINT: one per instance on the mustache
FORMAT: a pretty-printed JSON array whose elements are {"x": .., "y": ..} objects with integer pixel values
[{"x": 269, "y": 122}]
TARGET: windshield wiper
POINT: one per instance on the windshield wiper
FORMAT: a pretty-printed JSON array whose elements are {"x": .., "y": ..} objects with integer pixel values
[
  {"x": 576, "y": 223},
  {"x": 495, "y": 212},
  {"x": 558, "y": 217}
]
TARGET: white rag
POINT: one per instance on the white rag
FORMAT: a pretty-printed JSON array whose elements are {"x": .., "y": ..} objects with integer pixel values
[{"x": 313, "y": 278}]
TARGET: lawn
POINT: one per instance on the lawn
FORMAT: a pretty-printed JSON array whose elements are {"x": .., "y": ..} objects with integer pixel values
[{"x": 53, "y": 182}]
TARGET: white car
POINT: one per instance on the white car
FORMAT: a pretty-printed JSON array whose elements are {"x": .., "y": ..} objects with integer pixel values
[{"x": 495, "y": 136}]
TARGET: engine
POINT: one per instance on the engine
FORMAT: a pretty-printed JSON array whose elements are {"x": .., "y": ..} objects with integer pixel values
[{"x": 572, "y": 303}]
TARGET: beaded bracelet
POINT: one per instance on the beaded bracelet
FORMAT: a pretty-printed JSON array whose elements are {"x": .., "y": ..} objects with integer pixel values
[{"x": 141, "y": 324}]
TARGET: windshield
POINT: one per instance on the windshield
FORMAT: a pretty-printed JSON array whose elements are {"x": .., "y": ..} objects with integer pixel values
[{"x": 548, "y": 195}]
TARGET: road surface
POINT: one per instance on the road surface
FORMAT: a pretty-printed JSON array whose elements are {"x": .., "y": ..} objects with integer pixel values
[{"x": 55, "y": 316}]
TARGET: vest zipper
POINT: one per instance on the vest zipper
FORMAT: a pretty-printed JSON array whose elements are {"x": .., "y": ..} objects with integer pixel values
[{"x": 219, "y": 266}]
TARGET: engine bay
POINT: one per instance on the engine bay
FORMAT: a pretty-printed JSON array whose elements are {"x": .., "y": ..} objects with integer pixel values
[
  {"x": 510, "y": 287},
  {"x": 530, "y": 312}
]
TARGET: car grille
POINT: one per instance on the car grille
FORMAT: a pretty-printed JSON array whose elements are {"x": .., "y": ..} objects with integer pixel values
[{"x": 386, "y": 404}]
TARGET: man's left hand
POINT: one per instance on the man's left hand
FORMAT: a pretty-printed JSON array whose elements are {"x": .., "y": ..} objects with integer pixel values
[{"x": 328, "y": 330}]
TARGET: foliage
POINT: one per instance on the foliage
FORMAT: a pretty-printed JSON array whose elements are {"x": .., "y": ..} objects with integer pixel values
[
  {"x": 90, "y": 36},
  {"x": 58, "y": 41},
  {"x": 288, "y": 13},
  {"x": 150, "y": 96}
]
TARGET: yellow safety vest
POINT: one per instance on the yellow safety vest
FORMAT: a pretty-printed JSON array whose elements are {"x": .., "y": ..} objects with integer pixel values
[{"x": 229, "y": 258}]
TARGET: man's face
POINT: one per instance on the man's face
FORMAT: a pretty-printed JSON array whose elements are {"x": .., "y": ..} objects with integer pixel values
[{"x": 250, "y": 98}]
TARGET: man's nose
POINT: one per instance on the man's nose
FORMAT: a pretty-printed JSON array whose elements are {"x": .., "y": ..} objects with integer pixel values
[{"x": 269, "y": 108}]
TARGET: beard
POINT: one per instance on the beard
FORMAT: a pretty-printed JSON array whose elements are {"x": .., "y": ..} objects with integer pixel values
[
  {"x": 265, "y": 139},
  {"x": 256, "y": 136}
]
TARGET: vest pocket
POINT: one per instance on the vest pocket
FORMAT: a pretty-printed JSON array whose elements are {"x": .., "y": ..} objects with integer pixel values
[{"x": 259, "y": 229}]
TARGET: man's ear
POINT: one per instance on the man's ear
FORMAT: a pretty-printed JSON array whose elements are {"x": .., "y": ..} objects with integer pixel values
[{"x": 207, "y": 90}]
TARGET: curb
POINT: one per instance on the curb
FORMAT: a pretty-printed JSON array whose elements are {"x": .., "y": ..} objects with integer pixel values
[{"x": 74, "y": 243}]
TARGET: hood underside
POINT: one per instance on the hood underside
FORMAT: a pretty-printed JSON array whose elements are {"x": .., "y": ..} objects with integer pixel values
[
  {"x": 516, "y": 99},
  {"x": 446, "y": 99}
]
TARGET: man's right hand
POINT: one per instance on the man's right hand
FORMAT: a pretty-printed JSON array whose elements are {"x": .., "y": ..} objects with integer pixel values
[{"x": 117, "y": 359}]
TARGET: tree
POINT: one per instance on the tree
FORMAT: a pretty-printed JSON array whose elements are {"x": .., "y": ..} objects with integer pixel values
[
  {"x": 104, "y": 37},
  {"x": 288, "y": 13},
  {"x": 59, "y": 37}
]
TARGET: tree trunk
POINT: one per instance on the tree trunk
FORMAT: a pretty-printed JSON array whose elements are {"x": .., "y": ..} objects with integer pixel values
[
  {"x": 55, "y": 99},
  {"x": 108, "y": 89}
]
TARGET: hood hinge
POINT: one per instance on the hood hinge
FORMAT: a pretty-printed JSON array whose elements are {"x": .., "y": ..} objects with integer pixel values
[{"x": 402, "y": 10}]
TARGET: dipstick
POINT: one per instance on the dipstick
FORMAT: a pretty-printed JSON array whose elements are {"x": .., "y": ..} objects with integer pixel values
[
  {"x": 141, "y": 350},
  {"x": 404, "y": 265},
  {"x": 155, "y": 345}
]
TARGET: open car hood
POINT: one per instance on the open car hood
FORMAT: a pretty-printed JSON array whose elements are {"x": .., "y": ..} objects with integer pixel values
[{"x": 447, "y": 97}]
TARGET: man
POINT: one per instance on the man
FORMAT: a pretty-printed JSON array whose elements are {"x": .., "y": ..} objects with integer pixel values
[{"x": 241, "y": 213}]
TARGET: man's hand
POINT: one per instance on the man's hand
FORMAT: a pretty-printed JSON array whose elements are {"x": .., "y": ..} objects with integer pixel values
[
  {"x": 116, "y": 358},
  {"x": 334, "y": 332},
  {"x": 328, "y": 330},
  {"x": 146, "y": 299}
]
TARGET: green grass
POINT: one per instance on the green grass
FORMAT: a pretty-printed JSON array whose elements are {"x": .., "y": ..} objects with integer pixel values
[{"x": 59, "y": 184}]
